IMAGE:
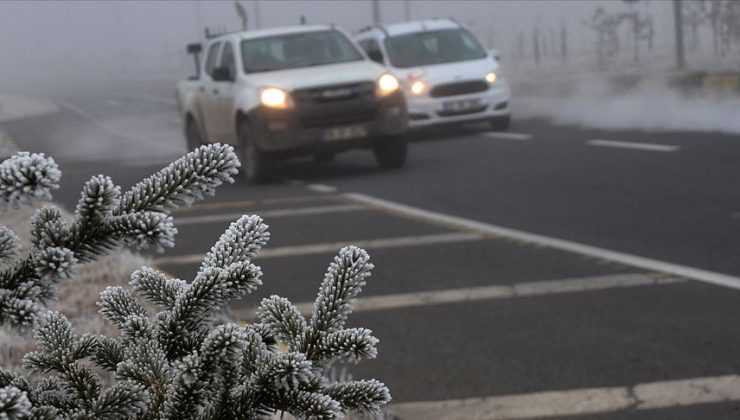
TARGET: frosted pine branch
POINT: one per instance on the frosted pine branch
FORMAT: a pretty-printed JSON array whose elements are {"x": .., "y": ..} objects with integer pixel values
[
  {"x": 103, "y": 221},
  {"x": 183, "y": 181},
  {"x": 26, "y": 178}
]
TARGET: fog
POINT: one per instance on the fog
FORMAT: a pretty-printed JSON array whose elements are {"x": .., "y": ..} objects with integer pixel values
[{"x": 45, "y": 43}]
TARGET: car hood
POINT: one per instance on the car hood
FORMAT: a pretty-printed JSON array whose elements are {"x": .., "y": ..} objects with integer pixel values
[
  {"x": 449, "y": 72},
  {"x": 329, "y": 74}
]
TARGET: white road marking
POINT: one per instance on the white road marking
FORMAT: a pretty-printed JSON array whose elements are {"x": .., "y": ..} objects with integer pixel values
[
  {"x": 637, "y": 146},
  {"x": 332, "y": 247},
  {"x": 269, "y": 214},
  {"x": 482, "y": 228},
  {"x": 322, "y": 188},
  {"x": 507, "y": 291},
  {"x": 150, "y": 98},
  {"x": 240, "y": 204},
  {"x": 507, "y": 135},
  {"x": 587, "y": 401}
]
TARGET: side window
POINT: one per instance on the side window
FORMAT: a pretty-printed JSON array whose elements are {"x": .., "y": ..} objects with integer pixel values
[
  {"x": 372, "y": 49},
  {"x": 227, "y": 59},
  {"x": 212, "y": 56}
]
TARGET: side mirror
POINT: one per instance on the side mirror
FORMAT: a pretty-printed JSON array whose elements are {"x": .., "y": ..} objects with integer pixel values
[
  {"x": 495, "y": 54},
  {"x": 195, "y": 48},
  {"x": 222, "y": 74},
  {"x": 376, "y": 56}
]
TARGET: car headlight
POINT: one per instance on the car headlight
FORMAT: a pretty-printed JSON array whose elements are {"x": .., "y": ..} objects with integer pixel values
[
  {"x": 273, "y": 97},
  {"x": 418, "y": 87},
  {"x": 491, "y": 77},
  {"x": 387, "y": 84}
]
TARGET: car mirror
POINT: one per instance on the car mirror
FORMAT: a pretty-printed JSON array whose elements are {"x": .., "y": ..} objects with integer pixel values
[
  {"x": 376, "y": 56},
  {"x": 222, "y": 74},
  {"x": 495, "y": 54}
]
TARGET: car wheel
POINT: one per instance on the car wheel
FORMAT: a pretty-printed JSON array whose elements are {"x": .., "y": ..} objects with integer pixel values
[
  {"x": 501, "y": 123},
  {"x": 254, "y": 162},
  {"x": 324, "y": 157},
  {"x": 391, "y": 151},
  {"x": 192, "y": 135}
]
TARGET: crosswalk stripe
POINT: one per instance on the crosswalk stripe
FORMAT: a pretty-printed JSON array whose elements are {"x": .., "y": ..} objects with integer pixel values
[
  {"x": 267, "y": 214},
  {"x": 506, "y": 291},
  {"x": 333, "y": 247}
]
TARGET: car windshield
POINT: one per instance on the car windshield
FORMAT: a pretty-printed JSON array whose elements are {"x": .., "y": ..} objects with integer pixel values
[
  {"x": 433, "y": 47},
  {"x": 297, "y": 50}
]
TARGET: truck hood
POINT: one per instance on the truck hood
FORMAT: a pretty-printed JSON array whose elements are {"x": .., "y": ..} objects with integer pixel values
[
  {"x": 329, "y": 74},
  {"x": 448, "y": 72}
]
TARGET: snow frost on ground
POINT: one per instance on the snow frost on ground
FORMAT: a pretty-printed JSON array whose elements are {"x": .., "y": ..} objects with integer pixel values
[{"x": 13, "y": 107}]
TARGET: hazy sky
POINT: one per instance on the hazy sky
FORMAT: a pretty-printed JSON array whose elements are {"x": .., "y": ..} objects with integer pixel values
[{"x": 150, "y": 35}]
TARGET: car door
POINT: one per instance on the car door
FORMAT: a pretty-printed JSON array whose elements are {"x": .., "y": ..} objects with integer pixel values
[
  {"x": 223, "y": 96},
  {"x": 209, "y": 91}
]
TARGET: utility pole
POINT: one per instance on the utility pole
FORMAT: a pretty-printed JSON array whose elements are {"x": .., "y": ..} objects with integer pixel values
[
  {"x": 407, "y": 9},
  {"x": 257, "y": 24},
  {"x": 376, "y": 11},
  {"x": 678, "y": 21}
]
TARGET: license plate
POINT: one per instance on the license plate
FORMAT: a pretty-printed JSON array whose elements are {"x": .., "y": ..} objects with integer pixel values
[
  {"x": 344, "y": 133},
  {"x": 463, "y": 105}
]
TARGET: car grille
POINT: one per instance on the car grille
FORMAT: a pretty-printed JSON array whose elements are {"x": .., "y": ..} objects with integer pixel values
[
  {"x": 335, "y": 105},
  {"x": 462, "y": 112},
  {"x": 459, "y": 88}
]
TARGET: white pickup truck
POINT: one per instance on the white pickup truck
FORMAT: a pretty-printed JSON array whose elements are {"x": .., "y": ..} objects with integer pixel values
[{"x": 292, "y": 91}]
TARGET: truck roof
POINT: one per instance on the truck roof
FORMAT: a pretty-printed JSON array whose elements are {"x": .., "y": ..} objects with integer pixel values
[{"x": 282, "y": 30}]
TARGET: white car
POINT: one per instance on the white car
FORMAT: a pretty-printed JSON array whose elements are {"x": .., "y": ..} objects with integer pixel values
[
  {"x": 292, "y": 91},
  {"x": 446, "y": 75}
]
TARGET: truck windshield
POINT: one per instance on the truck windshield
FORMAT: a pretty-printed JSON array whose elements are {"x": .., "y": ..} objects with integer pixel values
[
  {"x": 433, "y": 47},
  {"x": 297, "y": 50}
]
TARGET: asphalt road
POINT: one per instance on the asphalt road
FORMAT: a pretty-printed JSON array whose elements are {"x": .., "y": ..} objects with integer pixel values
[{"x": 463, "y": 307}]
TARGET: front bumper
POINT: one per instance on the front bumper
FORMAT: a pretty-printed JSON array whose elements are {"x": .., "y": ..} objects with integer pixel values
[
  {"x": 301, "y": 130},
  {"x": 426, "y": 111}
]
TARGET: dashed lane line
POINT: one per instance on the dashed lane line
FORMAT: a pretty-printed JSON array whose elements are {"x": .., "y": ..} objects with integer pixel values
[
  {"x": 579, "y": 402},
  {"x": 269, "y": 214},
  {"x": 486, "y": 229},
  {"x": 632, "y": 145},
  {"x": 333, "y": 247},
  {"x": 516, "y": 290},
  {"x": 507, "y": 136}
]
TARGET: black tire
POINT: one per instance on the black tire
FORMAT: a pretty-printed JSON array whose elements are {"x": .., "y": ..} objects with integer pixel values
[
  {"x": 192, "y": 135},
  {"x": 501, "y": 123},
  {"x": 324, "y": 157},
  {"x": 255, "y": 164},
  {"x": 391, "y": 151}
]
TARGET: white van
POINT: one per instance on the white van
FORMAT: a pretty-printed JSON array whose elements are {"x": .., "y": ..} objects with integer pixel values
[{"x": 446, "y": 75}]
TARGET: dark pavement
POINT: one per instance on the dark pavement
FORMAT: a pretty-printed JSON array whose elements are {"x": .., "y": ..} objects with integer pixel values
[{"x": 681, "y": 207}]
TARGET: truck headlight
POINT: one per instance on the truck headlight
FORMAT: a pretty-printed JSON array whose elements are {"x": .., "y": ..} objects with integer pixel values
[
  {"x": 491, "y": 77},
  {"x": 418, "y": 87},
  {"x": 387, "y": 84},
  {"x": 273, "y": 97}
]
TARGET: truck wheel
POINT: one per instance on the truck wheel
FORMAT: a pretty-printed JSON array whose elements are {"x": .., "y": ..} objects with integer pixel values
[
  {"x": 254, "y": 162},
  {"x": 501, "y": 123},
  {"x": 390, "y": 151},
  {"x": 192, "y": 135}
]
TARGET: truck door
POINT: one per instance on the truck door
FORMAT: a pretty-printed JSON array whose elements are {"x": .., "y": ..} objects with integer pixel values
[
  {"x": 223, "y": 96},
  {"x": 208, "y": 92}
]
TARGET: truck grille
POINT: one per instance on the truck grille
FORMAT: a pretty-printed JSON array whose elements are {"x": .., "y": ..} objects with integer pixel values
[
  {"x": 459, "y": 88},
  {"x": 334, "y": 93},
  {"x": 334, "y": 105}
]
